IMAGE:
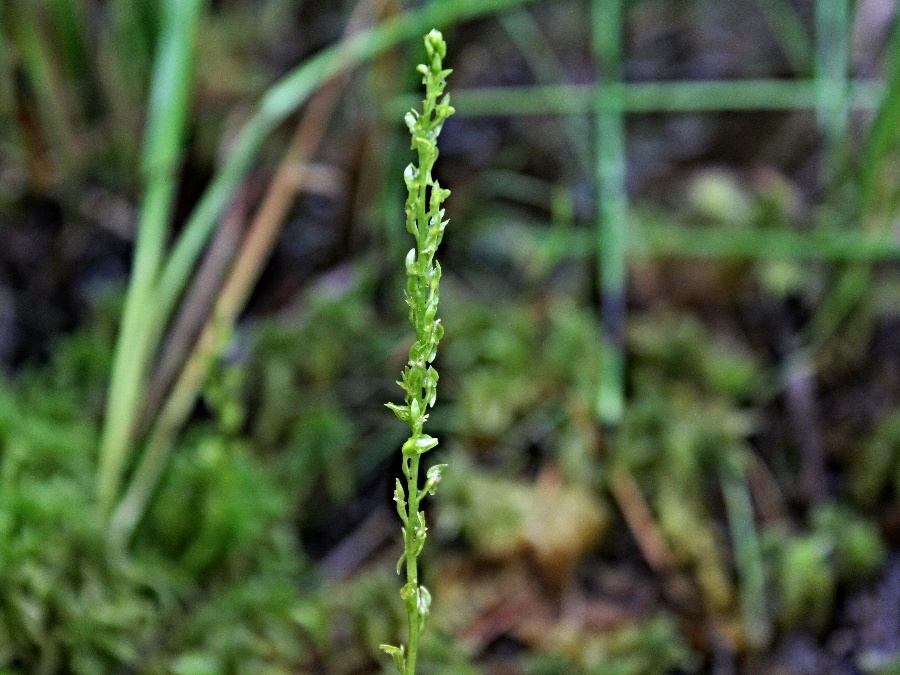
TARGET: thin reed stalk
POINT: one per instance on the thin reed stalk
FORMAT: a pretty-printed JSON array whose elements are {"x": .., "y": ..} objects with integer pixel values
[{"x": 612, "y": 205}]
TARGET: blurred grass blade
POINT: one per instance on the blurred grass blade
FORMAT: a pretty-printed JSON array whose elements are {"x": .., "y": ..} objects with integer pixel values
[
  {"x": 747, "y": 554},
  {"x": 53, "y": 102},
  {"x": 832, "y": 66},
  {"x": 125, "y": 59},
  {"x": 132, "y": 42},
  {"x": 167, "y": 110},
  {"x": 884, "y": 135},
  {"x": 69, "y": 21},
  {"x": 525, "y": 33},
  {"x": 612, "y": 203},
  {"x": 792, "y": 37},
  {"x": 279, "y": 102},
  {"x": 851, "y": 287},
  {"x": 647, "y": 97},
  {"x": 386, "y": 148},
  {"x": 653, "y": 237},
  {"x": 121, "y": 101},
  {"x": 653, "y": 240},
  {"x": 855, "y": 282},
  {"x": 7, "y": 75}
]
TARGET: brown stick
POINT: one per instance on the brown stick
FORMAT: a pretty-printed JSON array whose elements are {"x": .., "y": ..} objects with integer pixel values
[
  {"x": 800, "y": 397},
  {"x": 196, "y": 307},
  {"x": 640, "y": 521}
]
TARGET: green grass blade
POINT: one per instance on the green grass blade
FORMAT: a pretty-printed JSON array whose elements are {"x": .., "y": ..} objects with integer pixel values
[
  {"x": 167, "y": 110},
  {"x": 127, "y": 37},
  {"x": 851, "y": 287},
  {"x": 747, "y": 555},
  {"x": 647, "y": 97},
  {"x": 121, "y": 103},
  {"x": 831, "y": 73},
  {"x": 652, "y": 238},
  {"x": 612, "y": 201},
  {"x": 793, "y": 39},
  {"x": 7, "y": 74},
  {"x": 854, "y": 283},
  {"x": 659, "y": 240},
  {"x": 884, "y": 135},
  {"x": 525, "y": 33},
  {"x": 132, "y": 44}
]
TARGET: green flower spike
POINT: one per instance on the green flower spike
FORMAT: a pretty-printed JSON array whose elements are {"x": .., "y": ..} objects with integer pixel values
[{"x": 425, "y": 221}]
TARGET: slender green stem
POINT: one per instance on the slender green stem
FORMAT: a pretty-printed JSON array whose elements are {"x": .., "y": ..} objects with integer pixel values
[
  {"x": 412, "y": 568},
  {"x": 612, "y": 243}
]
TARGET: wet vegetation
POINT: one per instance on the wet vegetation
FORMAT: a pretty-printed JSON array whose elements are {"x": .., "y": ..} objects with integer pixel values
[{"x": 670, "y": 372}]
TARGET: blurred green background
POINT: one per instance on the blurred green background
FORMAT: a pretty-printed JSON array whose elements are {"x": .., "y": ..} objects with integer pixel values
[{"x": 670, "y": 379}]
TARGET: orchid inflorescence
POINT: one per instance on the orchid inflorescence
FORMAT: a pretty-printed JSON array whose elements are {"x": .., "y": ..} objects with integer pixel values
[{"x": 425, "y": 221}]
